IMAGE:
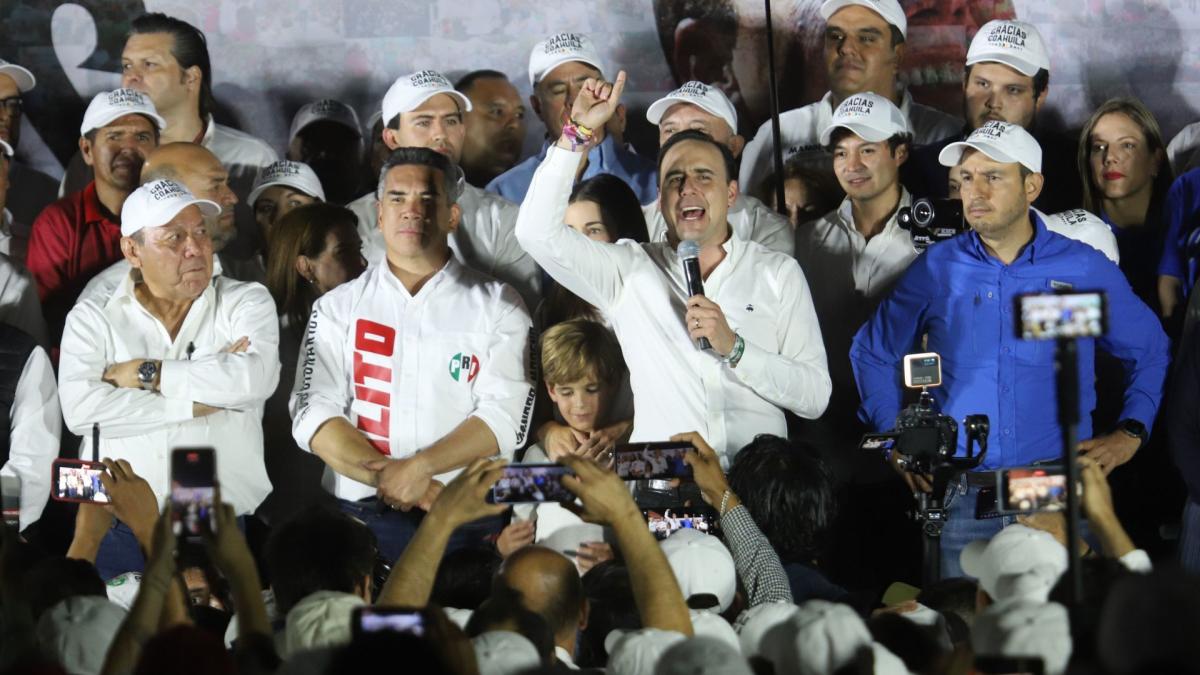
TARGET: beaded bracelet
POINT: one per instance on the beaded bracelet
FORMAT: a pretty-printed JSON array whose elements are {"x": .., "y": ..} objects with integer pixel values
[
  {"x": 577, "y": 134},
  {"x": 724, "y": 503}
]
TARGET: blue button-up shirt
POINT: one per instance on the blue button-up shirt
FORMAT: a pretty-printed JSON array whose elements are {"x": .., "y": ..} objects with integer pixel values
[
  {"x": 1181, "y": 212},
  {"x": 963, "y": 299},
  {"x": 609, "y": 157}
]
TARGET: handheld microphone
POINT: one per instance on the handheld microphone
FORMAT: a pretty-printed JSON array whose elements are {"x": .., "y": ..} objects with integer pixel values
[{"x": 689, "y": 255}]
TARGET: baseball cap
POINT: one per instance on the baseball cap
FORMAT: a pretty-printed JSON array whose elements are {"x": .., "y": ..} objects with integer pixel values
[
  {"x": 828, "y": 636},
  {"x": 1003, "y": 142},
  {"x": 702, "y": 565},
  {"x": 79, "y": 630},
  {"x": 6, "y": 149},
  {"x": 890, "y": 10},
  {"x": 703, "y": 656},
  {"x": 503, "y": 652},
  {"x": 870, "y": 116},
  {"x": 708, "y": 98},
  {"x": 321, "y": 619},
  {"x": 410, "y": 91},
  {"x": 325, "y": 110},
  {"x": 1030, "y": 629},
  {"x": 108, "y": 106},
  {"x": 559, "y": 49},
  {"x": 763, "y": 629},
  {"x": 296, "y": 175},
  {"x": 1014, "y": 43},
  {"x": 1015, "y": 551},
  {"x": 707, "y": 623},
  {"x": 156, "y": 203},
  {"x": 21, "y": 76},
  {"x": 638, "y": 652}
]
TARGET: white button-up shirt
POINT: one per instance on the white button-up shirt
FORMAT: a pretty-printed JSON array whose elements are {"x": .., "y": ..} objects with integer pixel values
[
  {"x": 406, "y": 369},
  {"x": 749, "y": 219},
  {"x": 800, "y": 130},
  {"x": 641, "y": 289},
  {"x": 143, "y": 426},
  {"x": 484, "y": 240},
  {"x": 35, "y": 421},
  {"x": 13, "y": 241},
  {"x": 19, "y": 305}
]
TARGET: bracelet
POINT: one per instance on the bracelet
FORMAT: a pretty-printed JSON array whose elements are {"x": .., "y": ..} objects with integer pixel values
[
  {"x": 577, "y": 134},
  {"x": 724, "y": 503},
  {"x": 735, "y": 354}
]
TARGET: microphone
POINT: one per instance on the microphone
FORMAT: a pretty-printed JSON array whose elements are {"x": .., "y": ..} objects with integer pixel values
[{"x": 689, "y": 255}]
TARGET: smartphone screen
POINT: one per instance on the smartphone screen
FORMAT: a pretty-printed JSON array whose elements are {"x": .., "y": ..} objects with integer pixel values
[
  {"x": 664, "y": 523},
  {"x": 639, "y": 461},
  {"x": 193, "y": 490},
  {"x": 1030, "y": 489},
  {"x": 394, "y": 619},
  {"x": 77, "y": 480},
  {"x": 922, "y": 370},
  {"x": 877, "y": 442},
  {"x": 523, "y": 483},
  {"x": 1050, "y": 316}
]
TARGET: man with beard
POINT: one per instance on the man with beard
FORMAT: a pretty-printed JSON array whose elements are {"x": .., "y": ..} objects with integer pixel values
[
  {"x": 495, "y": 125},
  {"x": 326, "y": 136},
  {"x": 80, "y": 234},
  {"x": 36, "y": 189}
]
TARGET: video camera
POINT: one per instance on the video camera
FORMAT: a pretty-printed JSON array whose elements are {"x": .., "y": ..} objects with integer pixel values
[{"x": 932, "y": 220}]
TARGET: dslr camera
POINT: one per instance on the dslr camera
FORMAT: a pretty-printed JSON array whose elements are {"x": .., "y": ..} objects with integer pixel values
[{"x": 932, "y": 220}]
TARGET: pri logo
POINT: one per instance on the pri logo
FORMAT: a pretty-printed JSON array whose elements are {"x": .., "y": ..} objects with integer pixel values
[{"x": 464, "y": 367}]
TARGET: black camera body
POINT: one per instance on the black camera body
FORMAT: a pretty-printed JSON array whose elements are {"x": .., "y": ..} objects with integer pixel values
[
  {"x": 929, "y": 221},
  {"x": 924, "y": 435}
]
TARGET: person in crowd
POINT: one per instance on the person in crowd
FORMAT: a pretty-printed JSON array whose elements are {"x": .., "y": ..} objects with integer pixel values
[
  {"x": 1180, "y": 263},
  {"x": 766, "y": 352},
  {"x": 808, "y": 193},
  {"x": 864, "y": 52},
  {"x": 422, "y": 110},
  {"x": 281, "y": 187},
  {"x": 37, "y": 189},
  {"x": 495, "y": 125},
  {"x": 30, "y": 421},
  {"x": 382, "y": 447},
  {"x": 19, "y": 304},
  {"x": 962, "y": 289},
  {"x": 204, "y": 359},
  {"x": 558, "y": 67},
  {"x": 1127, "y": 179},
  {"x": 1183, "y": 440},
  {"x": 79, "y": 235},
  {"x": 701, "y": 107},
  {"x": 1007, "y": 79},
  {"x": 14, "y": 236},
  {"x": 327, "y": 137}
]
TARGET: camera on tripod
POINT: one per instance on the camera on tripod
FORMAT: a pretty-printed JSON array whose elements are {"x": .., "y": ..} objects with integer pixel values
[{"x": 929, "y": 221}]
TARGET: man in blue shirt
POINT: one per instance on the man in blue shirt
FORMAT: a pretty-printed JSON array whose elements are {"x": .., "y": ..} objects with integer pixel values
[
  {"x": 960, "y": 294},
  {"x": 558, "y": 67}
]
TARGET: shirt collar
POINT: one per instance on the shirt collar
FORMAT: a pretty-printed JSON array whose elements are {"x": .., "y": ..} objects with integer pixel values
[
  {"x": 209, "y": 132},
  {"x": 94, "y": 211},
  {"x": 125, "y": 293},
  {"x": 1041, "y": 237},
  {"x": 6, "y": 223},
  {"x": 449, "y": 272},
  {"x": 564, "y": 657},
  {"x": 845, "y": 212}
]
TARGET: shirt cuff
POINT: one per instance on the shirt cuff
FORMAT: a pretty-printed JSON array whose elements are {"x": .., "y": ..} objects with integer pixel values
[
  {"x": 1138, "y": 561},
  {"x": 309, "y": 420},
  {"x": 173, "y": 381},
  {"x": 501, "y": 427},
  {"x": 752, "y": 364}
]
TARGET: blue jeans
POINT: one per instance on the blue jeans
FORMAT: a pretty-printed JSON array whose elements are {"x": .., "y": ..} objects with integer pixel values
[
  {"x": 1189, "y": 537},
  {"x": 394, "y": 529},
  {"x": 962, "y": 528}
]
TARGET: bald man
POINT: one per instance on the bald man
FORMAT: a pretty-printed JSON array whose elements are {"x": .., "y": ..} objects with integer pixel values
[
  {"x": 549, "y": 586},
  {"x": 199, "y": 170}
]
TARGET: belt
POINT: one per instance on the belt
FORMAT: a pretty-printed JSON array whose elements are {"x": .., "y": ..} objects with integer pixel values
[{"x": 981, "y": 478}]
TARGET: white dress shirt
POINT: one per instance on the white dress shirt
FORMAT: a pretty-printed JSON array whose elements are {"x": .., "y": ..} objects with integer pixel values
[
  {"x": 14, "y": 239},
  {"x": 484, "y": 239},
  {"x": 34, "y": 427},
  {"x": 800, "y": 130},
  {"x": 750, "y": 220},
  {"x": 1182, "y": 150},
  {"x": 407, "y": 369},
  {"x": 19, "y": 305},
  {"x": 101, "y": 287},
  {"x": 641, "y": 290},
  {"x": 142, "y": 426}
]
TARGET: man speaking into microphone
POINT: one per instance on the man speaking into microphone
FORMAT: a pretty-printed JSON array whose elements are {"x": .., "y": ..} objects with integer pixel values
[{"x": 764, "y": 350}]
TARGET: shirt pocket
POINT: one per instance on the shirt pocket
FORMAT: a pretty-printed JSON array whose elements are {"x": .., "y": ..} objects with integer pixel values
[{"x": 454, "y": 364}]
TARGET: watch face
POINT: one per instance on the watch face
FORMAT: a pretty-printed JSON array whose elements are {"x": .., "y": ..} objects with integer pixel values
[
  {"x": 1134, "y": 428},
  {"x": 147, "y": 371}
]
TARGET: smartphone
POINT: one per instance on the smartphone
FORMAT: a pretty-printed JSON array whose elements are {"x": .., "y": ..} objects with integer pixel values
[
  {"x": 1031, "y": 488},
  {"x": 877, "y": 442},
  {"x": 1051, "y": 316},
  {"x": 524, "y": 483},
  {"x": 371, "y": 619},
  {"x": 1008, "y": 665},
  {"x": 78, "y": 480},
  {"x": 193, "y": 490},
  {"x": 640, "y": 461},
  {"x": 665, "y": 523},
  {"x": 922, "y": 370}
]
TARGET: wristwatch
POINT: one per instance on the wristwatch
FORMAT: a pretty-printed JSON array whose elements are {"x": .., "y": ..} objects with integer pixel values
[
  {"x": 146, "y": 374},
  {"x": 1133, "y": 428}
]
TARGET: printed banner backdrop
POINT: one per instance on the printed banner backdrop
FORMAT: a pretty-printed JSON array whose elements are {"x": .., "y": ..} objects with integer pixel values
[{"x": 269, "y": 57}]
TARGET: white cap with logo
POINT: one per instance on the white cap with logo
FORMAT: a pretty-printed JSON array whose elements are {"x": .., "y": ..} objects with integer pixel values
[
  {"x": 325, "y": 110},
  {"x": 1003, "y": 142},
  {"x": 408, "y": 92},
  {"x": 702, "y": 565},
  {"x": 559, "y": 49},
  {"x": 21, "y": 76},
  {"x": 109, "y": 106},
  {"x": 156, "y": 203},
  {"x": 870, "y": 116},
  {"x": 1015, "y": 550},
  {"x": 706, "y": 97},
  {"x": 890, "y": 10},
  {"x": 296, "y": 175},
  {"x": 1016, "y": 44}
]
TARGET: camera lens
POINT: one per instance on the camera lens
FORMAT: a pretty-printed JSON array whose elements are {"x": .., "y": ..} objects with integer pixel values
[{"x": 922, "y": 212}]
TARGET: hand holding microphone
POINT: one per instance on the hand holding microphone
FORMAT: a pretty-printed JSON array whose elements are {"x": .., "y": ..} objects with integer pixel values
[{"x": 706, "y": 322}]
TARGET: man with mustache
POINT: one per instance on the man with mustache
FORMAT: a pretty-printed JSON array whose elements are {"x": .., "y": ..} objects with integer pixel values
[
  {"x": 495, "y": 125},
  {"x": 80, "y": 234}
]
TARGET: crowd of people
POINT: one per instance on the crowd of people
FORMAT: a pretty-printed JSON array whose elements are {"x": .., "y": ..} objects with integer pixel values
[{"x": 369, "y": 333}]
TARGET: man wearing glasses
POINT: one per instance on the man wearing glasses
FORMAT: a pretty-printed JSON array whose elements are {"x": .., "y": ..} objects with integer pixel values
[{"x": 32, "y": 189}]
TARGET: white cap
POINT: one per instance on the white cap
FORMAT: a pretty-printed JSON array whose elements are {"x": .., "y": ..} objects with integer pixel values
[
  {"x": 1015, "y": 551},
  {"x": 78, "y": 631},
  {"x": 503, "y": 652},
  {"x": 321, "y": 619},
  {"x": 708, "y": 98},
  {"x": 701, "y": 564},
  {"x": 870, "y": 116},
  {"x": 764, "y": 630},
  {"x": 407, "y": 93},
  {"x": 638, "y": 652},
  {"x": 1030, "y": 629},
  {"x": 890, "y": 10},
  {"x": 156, "y": 203},
  {"x": 559, "y": 49},
  {"x": 1003, "y": 142},
  {"x": 709, "y": 624},
  {"x": 828, "y": 636},
  {"x": 21, "y": 76},
  {"x": 109, "y": 106},
  {"x": 1016, "y": 44},
  {"x": 325, "y": 110},
  {"x": 296, "y": 175},
  {"x": 703, "y": 656},
  {"x": 6, "y": 149}
]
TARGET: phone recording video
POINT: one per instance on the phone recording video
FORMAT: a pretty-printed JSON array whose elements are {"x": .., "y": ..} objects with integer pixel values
[
  {"x": 77, "y": 480},
  {"x": 387, "y": 619},
  {"x": 524, "y": 483},
  {"x": 641, "y": 461},
  {"x": 193, "y": 490},
  {"x": 1032, "y": 488},
  {"x": 669, "y": 521},
  {"x": 1050, "y": 316}
]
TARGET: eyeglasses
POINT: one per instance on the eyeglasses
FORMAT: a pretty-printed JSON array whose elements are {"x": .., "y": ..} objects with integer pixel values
[{"x": 12, "y": 104}]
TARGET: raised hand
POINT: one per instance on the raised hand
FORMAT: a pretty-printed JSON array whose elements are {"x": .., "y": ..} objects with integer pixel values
[{"x": 597, "y": 102}]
